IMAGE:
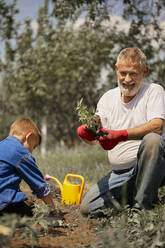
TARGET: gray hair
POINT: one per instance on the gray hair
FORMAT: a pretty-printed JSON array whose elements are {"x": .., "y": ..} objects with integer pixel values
[{"x": 133, "y": 53}]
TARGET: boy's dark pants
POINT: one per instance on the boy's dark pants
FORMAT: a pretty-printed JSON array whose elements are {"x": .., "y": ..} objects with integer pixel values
[{"x": 20, "y": 208}]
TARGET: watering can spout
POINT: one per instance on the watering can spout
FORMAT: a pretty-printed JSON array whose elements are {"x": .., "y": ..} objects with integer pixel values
[{"x": 48, "y": 177}]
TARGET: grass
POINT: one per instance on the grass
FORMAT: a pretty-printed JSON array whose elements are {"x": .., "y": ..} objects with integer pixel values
[
  {"x": 119, "y": 228},
  {"x": 125, "y": 229},
  {"x": 89, "y": 161}
]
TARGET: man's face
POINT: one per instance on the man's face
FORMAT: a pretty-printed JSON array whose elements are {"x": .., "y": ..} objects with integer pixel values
[{"x": 130, "y": 76}]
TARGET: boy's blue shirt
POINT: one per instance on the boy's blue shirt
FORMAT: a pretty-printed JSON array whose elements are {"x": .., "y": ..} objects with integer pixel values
[{"x": 17, "y": 163}]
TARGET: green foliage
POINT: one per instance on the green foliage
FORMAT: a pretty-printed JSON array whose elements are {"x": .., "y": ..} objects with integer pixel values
[
  {"x": 124, "y": 228},
  {"x": 25, "y": 39},
  {"x": 80, "y": 160},
  {"x": 66, "y": 9},
  {"x": 120, "y": 227},
  {"x": 7, "y": 19},
  {"x": 65, "y": 66},
  {"x": 46, "y": 73},
  {"x": 87, "y": 118},
  {"x": 25, "y": 226},
  {"x": 91, "y": 120}
]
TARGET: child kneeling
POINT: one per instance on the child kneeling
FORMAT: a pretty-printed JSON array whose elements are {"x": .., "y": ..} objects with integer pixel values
[{"x": 16, "y": 164}]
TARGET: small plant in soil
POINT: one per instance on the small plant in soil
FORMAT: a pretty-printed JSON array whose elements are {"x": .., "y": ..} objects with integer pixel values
[{"x": 90, "y": 119}]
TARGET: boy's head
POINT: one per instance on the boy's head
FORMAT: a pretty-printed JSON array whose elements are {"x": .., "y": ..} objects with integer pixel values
[{"x": 27, "y": 131}]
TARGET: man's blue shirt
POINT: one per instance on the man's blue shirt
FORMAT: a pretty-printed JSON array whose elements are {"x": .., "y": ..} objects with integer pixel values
[{"x": 17, "y": 163}]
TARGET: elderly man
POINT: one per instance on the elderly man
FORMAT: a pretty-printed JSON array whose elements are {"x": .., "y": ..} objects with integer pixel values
[{"x": 132, "y": 115}]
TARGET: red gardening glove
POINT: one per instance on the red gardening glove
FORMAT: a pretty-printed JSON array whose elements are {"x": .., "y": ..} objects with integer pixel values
[
  {"x": 86, "y": 134},
  {"x": 109, "y": 141}
]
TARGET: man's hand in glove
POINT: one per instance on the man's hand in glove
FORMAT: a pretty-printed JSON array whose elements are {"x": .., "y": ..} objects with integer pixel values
[
  {"x": 84, "y": 132},
  {"x": 87, "y": 135},
  {"x": 109, "y": 141}
]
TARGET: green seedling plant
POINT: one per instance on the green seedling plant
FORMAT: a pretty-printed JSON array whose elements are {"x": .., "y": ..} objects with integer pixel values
[
  {"x": 90, "y": 119},
  {"x": 27, "y": 226},
  {"x": 11, "y": 223}
]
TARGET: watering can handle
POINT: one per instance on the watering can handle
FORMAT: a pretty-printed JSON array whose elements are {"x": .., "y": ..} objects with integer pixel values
[{"x": 82, "y": 183}]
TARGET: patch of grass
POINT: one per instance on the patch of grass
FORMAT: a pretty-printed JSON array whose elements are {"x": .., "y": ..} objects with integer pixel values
[
  {"x": 121, "y": 228},
  {"x": 125, "y": 229},
  {"x": 26, "y": 226},
  {"x": 89, "y": 161}
]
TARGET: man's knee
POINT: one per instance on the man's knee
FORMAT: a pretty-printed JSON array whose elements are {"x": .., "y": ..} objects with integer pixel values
[
  {"x": 84, "y": 209},
  {"x": 152, "y": 141},
  {"x": 152, "y": 137},
  {"x": 93, "y": 207},
  {"x": 87, "y": 204}
]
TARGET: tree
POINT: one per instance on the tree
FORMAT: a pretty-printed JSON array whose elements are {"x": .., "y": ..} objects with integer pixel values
[
  {"x": 144, "y": 17},
  {"x": 8, "y": 31},
  {"x": 61, "y": 64},
  {"x": 7, "y": 19},
  {"x": 61, "y": 72}
]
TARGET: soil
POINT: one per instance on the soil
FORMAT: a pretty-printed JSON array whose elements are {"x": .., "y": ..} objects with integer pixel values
[{"x": 76, "y": 230}]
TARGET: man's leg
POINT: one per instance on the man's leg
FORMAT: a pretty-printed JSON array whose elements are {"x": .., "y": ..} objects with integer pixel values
[
  {"x": 109, "y": 190},
  {"x": 151, "y": 170}
]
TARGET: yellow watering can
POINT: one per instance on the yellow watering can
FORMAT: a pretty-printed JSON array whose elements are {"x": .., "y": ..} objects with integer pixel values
[{"x": 71, "y": 192}]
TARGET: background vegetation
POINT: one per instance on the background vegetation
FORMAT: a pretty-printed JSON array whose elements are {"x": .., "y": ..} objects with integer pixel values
[
  {"x": 119, "y": 228},
  {"x": 44, "y": 73},
  {"x": 92, "y": 163}
]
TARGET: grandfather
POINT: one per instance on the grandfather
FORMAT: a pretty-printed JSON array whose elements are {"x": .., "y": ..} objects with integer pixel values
[{"x": 133, "y": 116}]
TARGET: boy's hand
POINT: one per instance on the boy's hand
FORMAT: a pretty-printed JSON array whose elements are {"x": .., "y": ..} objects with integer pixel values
[
  {"x": 55, "y": 221},
  {"x": 56, "y": 218},
  {"x": 53, "y": 213},
  {"x": 86, "y": 134},
  {"x": 109, "y": 141}
]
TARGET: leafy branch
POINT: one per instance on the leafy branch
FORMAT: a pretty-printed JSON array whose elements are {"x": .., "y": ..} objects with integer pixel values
[{"x": 90, "y": 119}]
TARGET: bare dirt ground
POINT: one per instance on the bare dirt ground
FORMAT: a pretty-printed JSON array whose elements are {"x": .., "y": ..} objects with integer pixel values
[{"x": 76, "y": 231}]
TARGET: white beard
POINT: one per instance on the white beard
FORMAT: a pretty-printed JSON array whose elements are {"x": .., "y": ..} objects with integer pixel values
[{"x": 129, "y": 92}]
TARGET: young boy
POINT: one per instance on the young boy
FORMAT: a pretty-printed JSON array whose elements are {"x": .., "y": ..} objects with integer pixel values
[{"x": 17, "y": 163}]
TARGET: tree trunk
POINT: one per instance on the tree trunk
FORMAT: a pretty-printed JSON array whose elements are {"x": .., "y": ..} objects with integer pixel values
[{"x": 44, "y": 136}]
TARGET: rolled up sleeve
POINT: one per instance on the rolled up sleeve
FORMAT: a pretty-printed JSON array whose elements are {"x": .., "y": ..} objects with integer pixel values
[{"x": 29, "y": 172}]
